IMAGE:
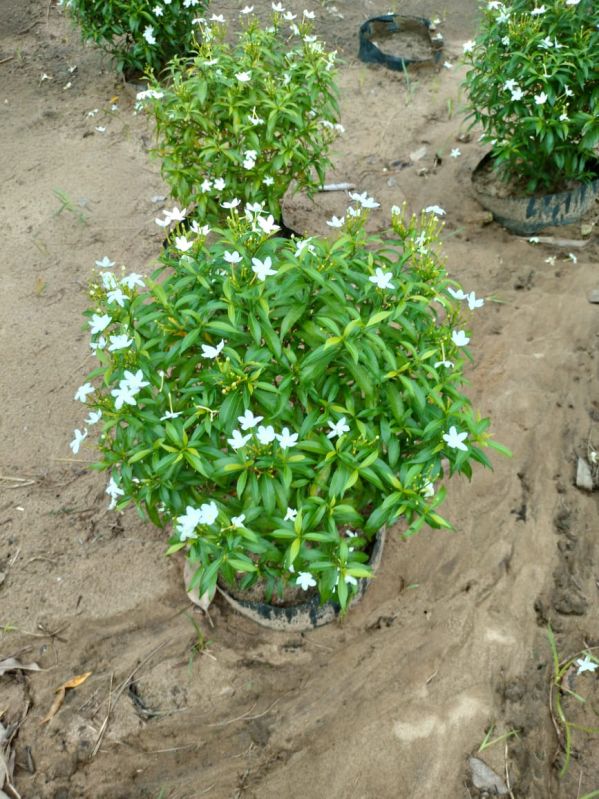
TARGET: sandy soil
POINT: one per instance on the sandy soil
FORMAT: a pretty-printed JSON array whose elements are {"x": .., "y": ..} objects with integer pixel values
[{"x": 450, "y": 638}]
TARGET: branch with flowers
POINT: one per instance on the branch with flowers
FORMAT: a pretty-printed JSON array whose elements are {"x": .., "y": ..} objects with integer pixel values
[
  {"x": 138, "y": 33},
  {"x": 248, "y": 119},
  {"x": 533, "y": 86},
  {"x": 279, "y": 401}
]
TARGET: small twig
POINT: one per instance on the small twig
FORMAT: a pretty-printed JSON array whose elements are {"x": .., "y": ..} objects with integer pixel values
[
  {"x": 22, "y": 485},
  {"x": 41, "y": 557},
  {"x": 15, "y": 479},
  {"x": 8, "y": 58},
  {"x": 26, "y": 30},
  {"x": 174, "y": 749},
  {"x": 118, "y": 693},
  {"x": 14, "y": 558},
  {"x": 507, "y": 774},
  {"x": 316, "y": 643},
  {"x": 245, "y": 716},
  {"x": 432, "y": 677},
  {"x": 337, "y": 187}
]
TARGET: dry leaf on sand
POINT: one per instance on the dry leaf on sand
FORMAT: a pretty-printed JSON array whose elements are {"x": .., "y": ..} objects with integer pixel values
[
  {"x": 12, "y": 664},
  {"x": 74, "y": 682}
]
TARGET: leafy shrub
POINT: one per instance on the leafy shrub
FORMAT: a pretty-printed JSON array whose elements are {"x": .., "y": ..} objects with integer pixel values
[
  {"x": 138, "y": 33},
  {"x": 246, "y": 119},
  {"x": 279, "y": 401},
  {"x": 534, "y": 87}
]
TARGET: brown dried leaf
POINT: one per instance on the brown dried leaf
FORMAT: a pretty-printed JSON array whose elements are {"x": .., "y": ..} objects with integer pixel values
[
  {"x": 74, "y": 682},
  {"x": 12, "y": 664}
]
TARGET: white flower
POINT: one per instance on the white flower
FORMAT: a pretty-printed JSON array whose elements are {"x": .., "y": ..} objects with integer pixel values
[
  {"x": 249, "y": 157},
  {"x": 237, "y": 440},
  {"x": 505, "y": 41},
  {"x": 247, "y": 10},
  {"x": 382, "y": 279},
  {"x": 459, "y": 338},
  {"x": 170, "y": 415},
  {"x": 446, "y": 364},
  {"x": 289, "y": 17},
  {"x": 434, "y": 209},
  {"x": 540, "y": 99},
  {"x": 100, "y": 344},
  {"x": 176, "y": 214},
  {"x": 78, "y": 440},
  {"x": 309, "y": 15},
  {"x": 564, "y": 117},
  {"x": 135, "y": 382},
  {"x": 338, "y": 428},
  {"x": 119, "y": 342},
  {"x": 538, "y": 11},
  {"x": 132, "y": 280},
  {"x": 364, "y": 200},
  {"x": 83, "y": 391},
  {"x": 572, "y": 257},
  {"x": 237, "y": 521},
  {"x": 116, "y": 295},
  {"x": 105, "y": 263},
  {"x": 336, "y": 221},
  {"x": 268, "y": 181},
  {"x": 457, "y": 294},
  {"x": 205, "y": 514},
  {"x": 291, "y": 515},
  {"x": 253, "y": 208},
  {"x": 248, "y": 420},
  {"x": 113, "y": 491},
  {"x": 219, "y": 184},
  {"x": 100, "y": 128},
  {"x": 123, "y": 395},
  {"x": 447, "y": 65},
  {"x": 253, "y": 119},
  {"x": 268, "y": 224},
  {"x": 550, "y": 260},
  {"x": 572, "y": 2},
  {"x": 546, "y": 43},
  {"x": 148, "y": 34},
  {"x": 305, "y": 580},
  {"x": 286, "y": 438},
  {"x": 354, "y": 211},
  {"x": 304, "y": 244},
  {"x": 205, "y": 185},
  {"x": 517, "y": 94},
  {"x": 455, "y": 153},
  {"x": 468, "y": 46},
  {"x": 243, "y": 77},
  {"x": 568, "y": 91},
  {"x": 212, "y": 352},
  {"x": 147, "y": 94},
  {"x": 232, "y": 257},
  {"x": 200, "y": 230},
  {"x": 190, "y": 3},
  {"x": 183, "y": 244},
  {"x": 533, "y": 240},
  {"x": 278, "y": 7},
  {"x": 158, "y": 11},
  {"x": 266, "y": 435},
  {"x": 232, "y": 204},
  {"x": 428, "y": 489},
  {"x": 262, "y": 269},
  {"x": 94, "y": 417},
  {"x": 473, "y": 302},
  {"x": 109, "y": 281},
  {"x": 215, "y": 17},
  {"x": 586, "y": 664},
  {"x": 455, "y": 440}
]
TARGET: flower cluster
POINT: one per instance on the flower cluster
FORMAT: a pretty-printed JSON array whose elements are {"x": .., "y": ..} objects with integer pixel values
[
  {"x": 241, "y": 121},
  {"x": 264, "y": 395},
  {"x": 534, "y": 87},
  {"x": 138, "y": 33}
]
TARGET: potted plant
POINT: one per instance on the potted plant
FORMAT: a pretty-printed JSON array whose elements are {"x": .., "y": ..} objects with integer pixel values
[
  {"x": 278, "y": 402},
  {"x": 533, "y": 86},
  {"x": 138, "y": 33},
  {"x": 246, "y": 119}
]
